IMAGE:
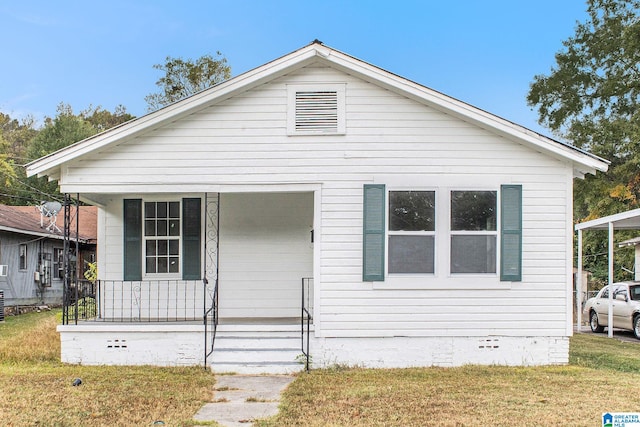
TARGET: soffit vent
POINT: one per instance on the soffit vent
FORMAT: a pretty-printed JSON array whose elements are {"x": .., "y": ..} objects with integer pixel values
[{"x": 316, "y": 111}]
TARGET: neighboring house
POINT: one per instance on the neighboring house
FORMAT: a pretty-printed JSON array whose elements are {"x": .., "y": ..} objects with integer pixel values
[
  {"x": 430, "y": 232},
  {"x": 32, "y": 253}
]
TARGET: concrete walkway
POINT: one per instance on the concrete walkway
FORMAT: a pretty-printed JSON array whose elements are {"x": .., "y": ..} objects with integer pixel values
[{"x": 239, "y": 399}]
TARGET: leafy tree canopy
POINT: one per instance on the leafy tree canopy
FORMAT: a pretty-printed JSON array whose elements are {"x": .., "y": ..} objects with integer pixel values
[
  {"x": 591, "y": 97},
  {"x": 21, "y": 142},
  {"x": 7, "y": 172},
  {"x": 183, "y": 78}
]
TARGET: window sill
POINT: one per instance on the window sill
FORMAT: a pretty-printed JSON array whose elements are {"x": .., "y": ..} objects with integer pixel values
[
  {"x": 316, "y": 133},
  {"x": 161, "y": 277},
  {"x": 396, "y": 282}
]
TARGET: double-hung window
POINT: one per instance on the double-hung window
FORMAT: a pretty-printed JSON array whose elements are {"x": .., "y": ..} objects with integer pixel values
[
  {"x": 412, "y": 232},
  {"x": 473, "y": 232},
  {"x": 162, "y": 237},
  {"x": 443, "y": 232}
]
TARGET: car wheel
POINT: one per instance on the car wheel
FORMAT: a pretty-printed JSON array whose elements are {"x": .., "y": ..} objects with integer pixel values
[
  {"x": 595, "y": 325},
  {"x": 636, "y": 326}
]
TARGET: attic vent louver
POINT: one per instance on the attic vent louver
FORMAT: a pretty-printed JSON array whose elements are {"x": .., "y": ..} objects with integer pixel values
[{"x": 317, "y": 111}]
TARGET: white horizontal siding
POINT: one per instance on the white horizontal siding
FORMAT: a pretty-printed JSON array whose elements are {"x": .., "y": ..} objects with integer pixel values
[{"x": 389, "y": 139}]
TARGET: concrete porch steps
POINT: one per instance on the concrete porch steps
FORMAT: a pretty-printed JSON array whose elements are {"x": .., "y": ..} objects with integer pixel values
[{"x": 257, "y": 349}]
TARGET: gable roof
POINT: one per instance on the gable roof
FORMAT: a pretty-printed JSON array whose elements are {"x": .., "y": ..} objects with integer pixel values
[
  {"x": 27, "y": 220},
  {"x": 582, "y": 161}
]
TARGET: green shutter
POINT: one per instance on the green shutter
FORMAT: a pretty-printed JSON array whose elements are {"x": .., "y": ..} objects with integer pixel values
[
  {"x": 191, "y": 239},
  {"x": 132, "y": 239},
  {"x": 511, "y": 233},
  {"x": 373, "y": 233}
]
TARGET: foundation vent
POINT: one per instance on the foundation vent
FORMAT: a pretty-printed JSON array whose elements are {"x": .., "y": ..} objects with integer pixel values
[
  {"x": 116, "y": 343},
  {"x": 489, "y": 344}
]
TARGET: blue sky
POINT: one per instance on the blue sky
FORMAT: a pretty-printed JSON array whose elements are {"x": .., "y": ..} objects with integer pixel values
[{"x": 102, "y": 53}]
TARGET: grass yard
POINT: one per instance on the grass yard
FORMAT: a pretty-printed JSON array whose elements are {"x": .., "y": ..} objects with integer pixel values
[
  {"x": 603, "y": 375},
  {"x": 37, "y": 389}
]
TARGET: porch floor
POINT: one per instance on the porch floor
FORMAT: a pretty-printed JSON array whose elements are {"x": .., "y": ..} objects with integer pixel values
[{"x": 227, "y": 321}]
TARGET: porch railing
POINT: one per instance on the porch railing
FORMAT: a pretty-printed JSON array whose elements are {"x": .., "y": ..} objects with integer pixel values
[
  {"x": 138, "y": 301},
  {"x": 210, "y": 320},
  {"x": 79, "y": 302},
  {"x": 305, "y": 318}
]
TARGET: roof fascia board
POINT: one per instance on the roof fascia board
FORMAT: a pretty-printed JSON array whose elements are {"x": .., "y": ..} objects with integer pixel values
[
  {"x": 466, "y": 111},
  {"x": 298, "y": 59},
  {"x": 600, "y": 222},
  {"x": 245, "y": 81},
  {"x": 35, "y": 233}
]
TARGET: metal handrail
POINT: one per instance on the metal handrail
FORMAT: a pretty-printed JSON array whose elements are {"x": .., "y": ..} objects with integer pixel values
[
  {"x": 305, "y": 317},
  {"x": 213, "y": 313}
]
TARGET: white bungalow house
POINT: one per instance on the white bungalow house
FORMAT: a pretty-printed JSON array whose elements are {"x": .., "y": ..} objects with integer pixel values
[{"x": 424, "y": 230}]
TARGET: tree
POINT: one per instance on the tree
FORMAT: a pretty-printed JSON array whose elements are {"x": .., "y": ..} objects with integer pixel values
[
  {"x": 102, "y": 120},
  {"x": 14, "y": 136},
  {"x": 64, "y": 129},
  {"x": 183, "y": 78},
  {"x": 592, "y": 98},
  {"x": 17, "y": 134},
  {"x": 7, "y": 172}
]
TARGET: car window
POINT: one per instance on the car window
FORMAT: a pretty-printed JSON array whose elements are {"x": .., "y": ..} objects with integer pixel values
[
  {"x": 635, "y": 292},
  {"x": 620, "y": 290},
  {"x": 605, "y": 293}
]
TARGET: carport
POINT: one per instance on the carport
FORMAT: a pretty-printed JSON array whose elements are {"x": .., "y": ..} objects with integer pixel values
[{"x": 629, "y": 220}]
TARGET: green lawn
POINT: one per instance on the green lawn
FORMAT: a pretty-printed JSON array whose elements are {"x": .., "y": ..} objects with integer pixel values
[{"x": 603, "y": 375}]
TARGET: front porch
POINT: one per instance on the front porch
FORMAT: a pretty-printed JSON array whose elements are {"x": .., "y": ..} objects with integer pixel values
[
  {"x": 243, "y": 346},
  {"x": 254, "y": 250},
  {"x": 176, "y": 323}
]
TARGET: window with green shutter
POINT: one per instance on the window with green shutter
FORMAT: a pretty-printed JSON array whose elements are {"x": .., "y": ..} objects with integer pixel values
[
  {"x": 373, "y": 233},
  {"x": 162, "y": 238},
  {"x": 483, "y": 228},
  {"x": 511, "y": 233}
]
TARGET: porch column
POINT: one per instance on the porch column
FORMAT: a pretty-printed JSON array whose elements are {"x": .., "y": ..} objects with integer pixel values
[
  {"x": 579, "y": 284},
  {"x": 610, "y": 318}
]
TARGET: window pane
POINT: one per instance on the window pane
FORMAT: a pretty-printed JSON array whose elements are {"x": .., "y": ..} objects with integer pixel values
[
  {"x": 163, "y": 247},
  {"x": 174, "y": 247},
  {"x": 161, "y": 210},
  {"x": 174, "y": 209},
  {"x": 162, "y": 227},
  {"x": 411, "y": 254},
  {"x": 149, "y": 210},
  {"x": 412, "y": 210},
  {"x": 163, "y": 266},
  {"x": 149, "y": 228},
  {"x": 173, "y": 264},
  {"x": 473, "y": 254},
  {"x": 473, "y": 210},
  {"x": 174, "y": 227},
  {"x": 151, "y": 248},
  {"x": 150, "y": 265}
]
